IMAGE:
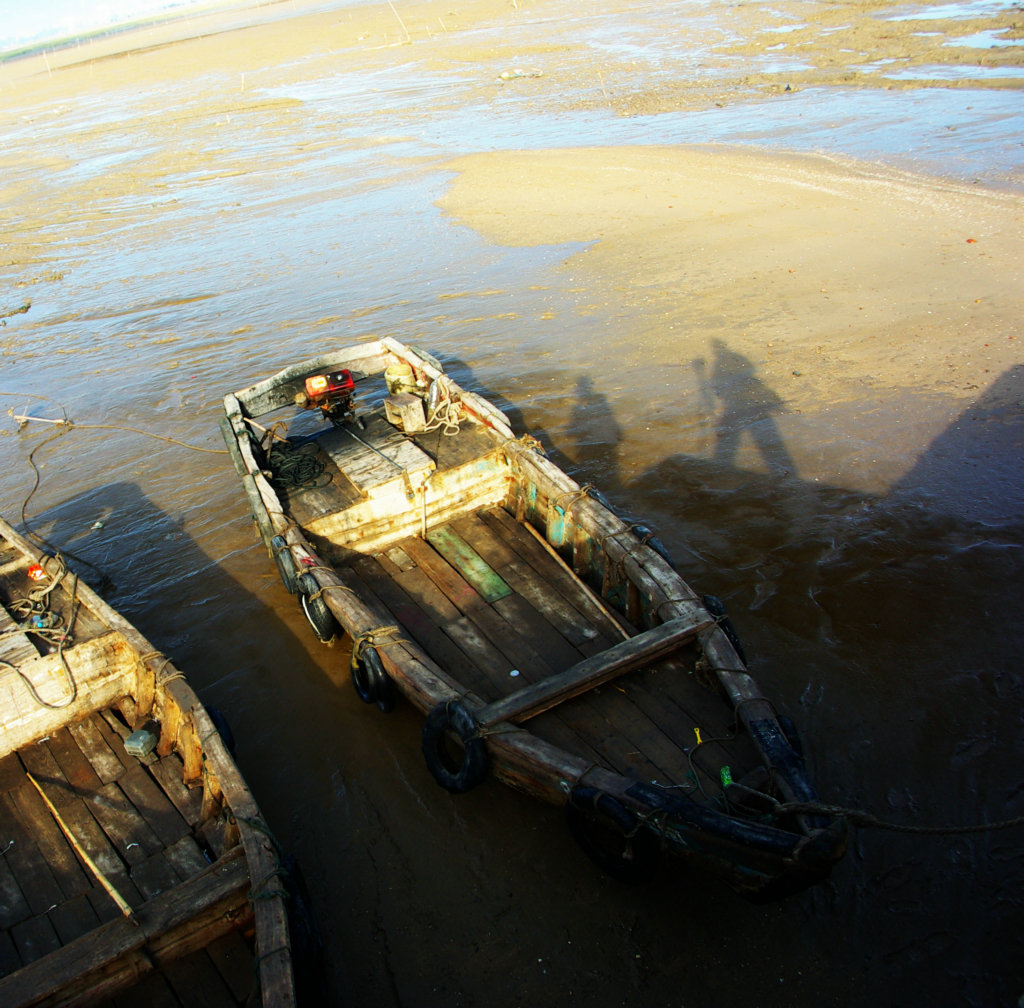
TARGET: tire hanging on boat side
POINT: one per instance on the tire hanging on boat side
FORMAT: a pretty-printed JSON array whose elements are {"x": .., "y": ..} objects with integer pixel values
[
  {"x": 457, "y": 775},
  {"x": 285, "y": 563},
  {"x": 716, "y": 607},
  {"x": 612, "y": 836},
  {"x": 320, "y": 617},
  {"x": 370, "y": 680}
]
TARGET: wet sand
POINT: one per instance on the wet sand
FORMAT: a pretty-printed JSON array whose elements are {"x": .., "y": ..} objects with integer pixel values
[
  {"x": 839, "y": 281},
  {"x": 803, "y": 369}
]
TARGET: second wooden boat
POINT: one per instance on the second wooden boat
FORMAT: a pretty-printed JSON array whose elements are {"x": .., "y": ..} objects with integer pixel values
[
  {"x": 547, "y": 642},
  {"x": 134, "y": 859}
]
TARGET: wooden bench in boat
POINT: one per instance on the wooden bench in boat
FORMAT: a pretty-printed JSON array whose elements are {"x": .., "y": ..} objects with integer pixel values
[{"x": 631, "y": 654}]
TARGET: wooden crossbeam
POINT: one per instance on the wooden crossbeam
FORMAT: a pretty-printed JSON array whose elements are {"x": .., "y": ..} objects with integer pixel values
[
  {"x": 592, "y": 672},
  {"x": 168, "y": 926}
]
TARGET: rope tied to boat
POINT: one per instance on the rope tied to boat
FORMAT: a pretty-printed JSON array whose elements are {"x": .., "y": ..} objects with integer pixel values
[
  {"x": 575, "y": 497},
  {"x": 160, "y": 672},
  {"x": 378, "y": 637},
  {"x": 278, "y": 872},
  {"x": 859, "y": 817},
  {"x": 676, "y": 602},
  {"x": 527, "y": 441},
  {"x": 330, "y": 587}
]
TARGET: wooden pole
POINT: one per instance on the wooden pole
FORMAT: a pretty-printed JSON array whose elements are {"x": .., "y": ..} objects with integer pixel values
[
  {"x": 84, "y": 855},
  {"x": 591, "y": 594}
]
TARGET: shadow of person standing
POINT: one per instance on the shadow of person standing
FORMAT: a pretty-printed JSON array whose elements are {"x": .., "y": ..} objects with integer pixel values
[
  {"x": 595, "y": 437},
  {"x": 748, "y": 406}
]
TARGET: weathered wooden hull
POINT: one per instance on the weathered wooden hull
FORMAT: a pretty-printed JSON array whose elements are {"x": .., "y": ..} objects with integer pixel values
[
  {"x": 526, "y": 620},
  {"x": 123, "y": 865}
]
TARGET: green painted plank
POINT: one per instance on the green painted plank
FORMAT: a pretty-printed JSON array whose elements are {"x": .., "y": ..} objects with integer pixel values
[{"x": 488, "y": 585}]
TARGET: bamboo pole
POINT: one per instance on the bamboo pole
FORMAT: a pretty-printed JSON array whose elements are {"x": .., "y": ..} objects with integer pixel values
[
  {"x": 84, "y": 855},
  {"x": 593, "y": 596}
]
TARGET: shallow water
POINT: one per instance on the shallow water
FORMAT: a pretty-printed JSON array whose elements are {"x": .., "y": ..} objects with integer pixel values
[{"x": 293, "y": 208}]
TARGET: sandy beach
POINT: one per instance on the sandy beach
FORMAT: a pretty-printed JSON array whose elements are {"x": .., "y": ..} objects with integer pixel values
[
  {"x": 836, "y": 279},
  {"x": 755, "y": 271}
]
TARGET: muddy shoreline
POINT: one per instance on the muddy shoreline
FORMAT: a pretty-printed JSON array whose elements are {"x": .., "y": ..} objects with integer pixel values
[{"x": 754, "y": 272}]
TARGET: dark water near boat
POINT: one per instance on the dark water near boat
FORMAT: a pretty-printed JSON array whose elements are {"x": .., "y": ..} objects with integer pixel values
[{"x": 884, "y": 616}]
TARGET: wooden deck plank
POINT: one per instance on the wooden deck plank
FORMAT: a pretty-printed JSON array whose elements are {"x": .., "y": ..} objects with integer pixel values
[
  {"x": 90, "y": 835},
  {"x": 382, "y": 591},
  {"x": 233, "y": 959},
  {"x": 39, "y": 761},
  {"x": 434, "y": 603},
  {"x": 35, "y": 938},
  {"x": 96, "y": 749},
  {"x": 154, "y": 875},
  {"x": 13, "y": 905},
  {"x": 9, "y": 958},
  {"x": 197, "y": 983},
  {"x": 28, "y": 863},
  {"x": 151, "y": 991},
  {"x": 79, "y": 819},
  {"x": 186, "y": 858},
  {"x": 75, "y": 767},
  {"x": 74, "y": 918},
  {"x": 169, "y": 773},
  {"x": 12, "y": 773},
  {"x": 556, "y": 607},
  {"x": 128, "y": 831},
  {"x": 560, "y": 652},
  {"x": 513, "y": 643},
  {"x": 153, "y": 805},
  {"x": 38, "y": 822},
  {"x": 480, "y": 575},
  {"x": 501, "y": 522}
]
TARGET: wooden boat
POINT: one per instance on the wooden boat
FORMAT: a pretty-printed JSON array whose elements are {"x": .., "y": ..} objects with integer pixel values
[
  {"x": 548, "y": 642},
  {"x": 135, "y": 860}
]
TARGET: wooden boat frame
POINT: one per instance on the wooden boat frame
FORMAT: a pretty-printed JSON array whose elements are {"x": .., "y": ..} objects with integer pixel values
[
  {"x": 111, "y": 667},
  {"x": 619, "y": 565}
]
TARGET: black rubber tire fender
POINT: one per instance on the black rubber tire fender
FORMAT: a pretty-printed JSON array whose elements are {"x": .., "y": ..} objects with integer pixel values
[
  {"x": 370, "y": 680},
  {"x": 320, "y": 617},
  {"x": 716, "y": 608},
  {"x": 285, "y": 564},
  {"x": 612, "y": 836},
  {"x": 451, "y": 718}
]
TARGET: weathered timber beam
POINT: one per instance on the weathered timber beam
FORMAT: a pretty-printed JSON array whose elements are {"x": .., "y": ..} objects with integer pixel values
[
  {"x": 591, "y": 672},
  {"x": 166, "y": 927}
]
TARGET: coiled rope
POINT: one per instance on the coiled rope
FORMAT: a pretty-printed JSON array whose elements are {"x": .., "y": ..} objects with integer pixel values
[
  {"x": 39, "y": 619},
  {"x": 297, "y": 466}
]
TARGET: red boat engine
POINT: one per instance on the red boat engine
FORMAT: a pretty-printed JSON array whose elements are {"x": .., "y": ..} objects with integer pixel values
[{"x": 333, "y": 394}]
